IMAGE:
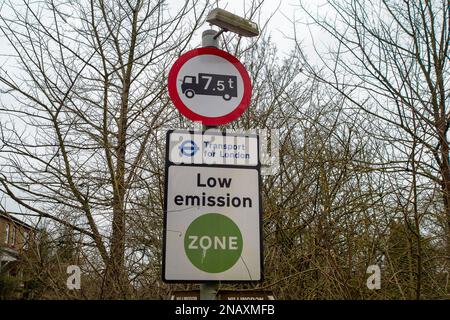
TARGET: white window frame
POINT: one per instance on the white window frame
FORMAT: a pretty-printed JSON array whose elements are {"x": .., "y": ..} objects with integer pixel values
[
  {"x": 7, "y": 228},
  {"x": 26, "y": 237},
  {"x": 14, "y": 234}
]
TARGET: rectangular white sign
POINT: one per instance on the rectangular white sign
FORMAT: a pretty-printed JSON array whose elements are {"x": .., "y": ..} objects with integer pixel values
[
  {"x": 212, "y": 224},
  {"x": 187, "y": 147}
]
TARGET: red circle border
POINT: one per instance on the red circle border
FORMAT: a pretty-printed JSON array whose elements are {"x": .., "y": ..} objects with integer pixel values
[{"x": 210, "y": 121}]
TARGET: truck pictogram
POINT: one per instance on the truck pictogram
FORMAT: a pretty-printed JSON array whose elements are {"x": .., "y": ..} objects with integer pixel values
[{"x": 210, "y": 84}]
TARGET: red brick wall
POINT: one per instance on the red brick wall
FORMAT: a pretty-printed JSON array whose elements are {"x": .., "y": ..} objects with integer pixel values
[{"x": 19, "y": 242}]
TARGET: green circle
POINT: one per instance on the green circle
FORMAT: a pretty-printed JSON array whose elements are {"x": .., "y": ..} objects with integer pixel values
[{"x": 213, "y": 243}]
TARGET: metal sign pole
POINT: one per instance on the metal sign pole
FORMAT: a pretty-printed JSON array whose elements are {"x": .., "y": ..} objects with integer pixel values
[{"x": 208, "y": 290}]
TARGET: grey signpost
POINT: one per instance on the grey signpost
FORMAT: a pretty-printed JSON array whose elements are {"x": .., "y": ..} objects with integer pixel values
[{"x": 208, "y": 290}]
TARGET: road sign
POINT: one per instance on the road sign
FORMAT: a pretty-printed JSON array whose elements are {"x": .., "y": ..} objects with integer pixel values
[
  {"x": 212, "y": 216},
  {"x": 225, "y": 295},
  {"x": 209, "y": 85},
  {"x": 185, "y": 295},
  {"x": 213, "y": 148}
]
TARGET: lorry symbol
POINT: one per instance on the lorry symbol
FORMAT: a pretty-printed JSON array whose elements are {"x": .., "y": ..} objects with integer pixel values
[{"x": 210, "y": 84}]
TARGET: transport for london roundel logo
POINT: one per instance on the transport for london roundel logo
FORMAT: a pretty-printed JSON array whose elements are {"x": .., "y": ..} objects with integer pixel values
[{"x": 213, "y": 243}]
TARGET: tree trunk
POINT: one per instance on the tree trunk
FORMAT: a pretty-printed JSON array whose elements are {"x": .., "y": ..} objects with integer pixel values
[{"x": 445, "y": 171}]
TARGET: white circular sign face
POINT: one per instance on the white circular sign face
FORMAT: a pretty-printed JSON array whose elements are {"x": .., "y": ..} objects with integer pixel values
[
  {"x": 216, "y": 84},
  {"x": 209, "y": 85}
]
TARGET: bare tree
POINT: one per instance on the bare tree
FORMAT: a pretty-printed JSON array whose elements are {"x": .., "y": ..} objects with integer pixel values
[
  {"x": 83, "y": 109},
  {"x": 391, "y": 60}
]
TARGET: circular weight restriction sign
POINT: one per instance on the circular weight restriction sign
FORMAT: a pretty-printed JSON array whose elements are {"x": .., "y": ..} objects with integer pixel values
[{"x": 210, "y": 86}]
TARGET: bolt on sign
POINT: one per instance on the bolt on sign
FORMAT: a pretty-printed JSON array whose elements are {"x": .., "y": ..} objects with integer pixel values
[{"x": 212, "y": 209}]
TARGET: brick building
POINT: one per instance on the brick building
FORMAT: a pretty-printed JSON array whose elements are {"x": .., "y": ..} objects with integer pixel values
[{"x": 15, "y": 238}]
